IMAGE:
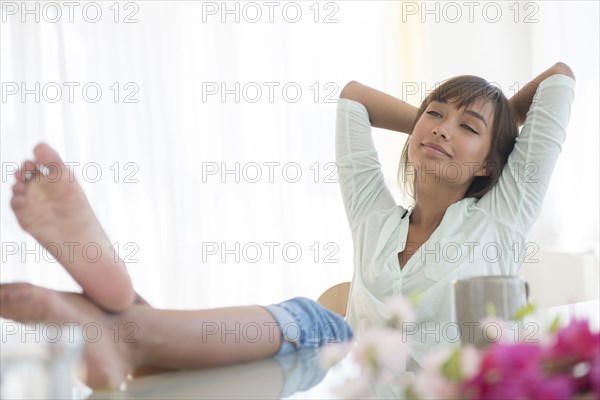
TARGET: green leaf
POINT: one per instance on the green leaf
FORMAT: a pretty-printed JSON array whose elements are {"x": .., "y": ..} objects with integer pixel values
[
  {"x": 414, "y": 296},
  {"x": 451, "y": 368},
  {"x": 523, "y": 311},
  {"x": 555, "y": 325},
  {"x": 410, "y": 394},
  {"x": 371, "y": 356},
  {"x": 490, "y": 310}
]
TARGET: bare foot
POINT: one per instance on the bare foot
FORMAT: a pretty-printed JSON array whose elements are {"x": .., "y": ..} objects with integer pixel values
[
  {"x": 108, "y": 361},
  {"x": 52, "y": 207}
]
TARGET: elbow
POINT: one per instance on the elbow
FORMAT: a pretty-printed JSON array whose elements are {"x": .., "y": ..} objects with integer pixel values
[
  {"x": 564, "y": 69},
  {"x": 350, "y": 91}
]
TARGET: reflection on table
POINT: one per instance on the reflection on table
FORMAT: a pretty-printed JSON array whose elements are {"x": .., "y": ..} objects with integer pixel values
[{"x": 273, "y": 378}]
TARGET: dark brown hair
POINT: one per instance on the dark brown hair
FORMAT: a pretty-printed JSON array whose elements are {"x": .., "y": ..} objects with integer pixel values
[{"x": 463, "y": 91}]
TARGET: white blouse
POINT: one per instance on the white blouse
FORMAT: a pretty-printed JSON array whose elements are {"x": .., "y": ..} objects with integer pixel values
[{"x": 476, "y": 237}]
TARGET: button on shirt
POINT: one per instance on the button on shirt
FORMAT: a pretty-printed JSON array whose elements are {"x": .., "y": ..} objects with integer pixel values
[{"x": 475, "y": 237}]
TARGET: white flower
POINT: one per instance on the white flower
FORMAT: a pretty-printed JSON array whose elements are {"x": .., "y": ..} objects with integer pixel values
[
  {"x": 382, "y": 349},
  {"x": 430, "y": 383},
  {"x": 470, "y": 359},
  {"x": 359, "y": 388},
  {"x": 334, "y": 353},
  {"x": 433, "y": 385},
  {"x": 533, "y": 332},
  {"x": 401, "y": 311},
  {"x": 498, "y": 330}
]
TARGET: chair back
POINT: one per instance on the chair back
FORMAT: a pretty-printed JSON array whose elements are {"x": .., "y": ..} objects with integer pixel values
[{"x": 336, "y": 298}]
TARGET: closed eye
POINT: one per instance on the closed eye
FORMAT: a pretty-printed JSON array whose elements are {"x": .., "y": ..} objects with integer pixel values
[{"x": 467, "y": 127}]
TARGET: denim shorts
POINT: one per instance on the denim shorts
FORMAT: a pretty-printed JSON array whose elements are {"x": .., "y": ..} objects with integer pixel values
[{"x": 305, "y": 324}]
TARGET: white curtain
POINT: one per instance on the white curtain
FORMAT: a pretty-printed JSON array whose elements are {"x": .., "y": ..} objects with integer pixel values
[{"x": 215, "y": 200}]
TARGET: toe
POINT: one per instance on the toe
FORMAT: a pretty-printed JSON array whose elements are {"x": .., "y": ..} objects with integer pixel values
[
  {"x": 45, "y": 154},
  {"x": 19, "y": 188},
  {"x": 17, "y": 202},
  {"x": 17, "y": 290},
  {"x": 25, "y": 302},
  {"x": 48, "y": 162},
  {"x": 24, "y": 173},
  {"x": 4, "y": 289},
  {"x": 23, "y": 292},
  {"x": 6, "y": 300}
]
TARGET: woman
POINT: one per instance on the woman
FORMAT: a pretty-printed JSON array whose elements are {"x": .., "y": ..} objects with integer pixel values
[
  {"x": 475, "y": 196},
  {"x": 450, "y": 130}
]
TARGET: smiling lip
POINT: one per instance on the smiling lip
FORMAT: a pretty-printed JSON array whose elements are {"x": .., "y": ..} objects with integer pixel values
[{"x": 436, "y": 147}]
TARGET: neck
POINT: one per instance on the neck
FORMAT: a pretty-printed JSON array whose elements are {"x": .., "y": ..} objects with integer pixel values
[{"x": 431, "y": 204}]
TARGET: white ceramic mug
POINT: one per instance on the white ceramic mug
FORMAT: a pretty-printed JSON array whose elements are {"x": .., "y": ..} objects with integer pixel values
[{"x": 474, "y": 297}]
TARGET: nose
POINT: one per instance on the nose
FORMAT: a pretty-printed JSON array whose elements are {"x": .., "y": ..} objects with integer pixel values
[{"x": 440, "y": 130}]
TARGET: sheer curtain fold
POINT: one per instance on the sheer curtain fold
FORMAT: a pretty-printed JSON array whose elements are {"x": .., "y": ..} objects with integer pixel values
[{"x": 177, "y": 192}]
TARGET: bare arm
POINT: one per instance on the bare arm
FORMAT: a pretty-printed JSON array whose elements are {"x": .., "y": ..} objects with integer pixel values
[
  {"x": 521, "y": 101},
  {"x": 385, "y": 111}
]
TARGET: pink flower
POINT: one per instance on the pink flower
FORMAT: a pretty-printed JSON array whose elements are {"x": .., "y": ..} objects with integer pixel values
[
  {"x": 575, "y": 352},
  {"x": 558, "y": 365},
  {"x": 595, "y": 375},
  {"x": 575, "y": 342},
  {"x": 507, "y": 372},
  {"x": 555, "y": 388}
]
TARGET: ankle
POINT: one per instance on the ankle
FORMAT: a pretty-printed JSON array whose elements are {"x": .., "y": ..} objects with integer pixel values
[{"x": 129, "y": 335}]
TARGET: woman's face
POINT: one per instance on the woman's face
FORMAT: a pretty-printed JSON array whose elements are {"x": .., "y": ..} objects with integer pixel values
[{"x": 451, "y": 145}]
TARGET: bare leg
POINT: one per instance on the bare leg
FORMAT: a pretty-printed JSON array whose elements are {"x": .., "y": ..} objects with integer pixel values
[
  {"x": 54, "y": 210},
  {"x": 148, "y": 336}
]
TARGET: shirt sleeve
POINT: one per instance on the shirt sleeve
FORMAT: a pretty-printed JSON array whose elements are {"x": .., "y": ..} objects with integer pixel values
[
  {"x": 518, "y": 197},
  {"x": 359, "y": 172}
]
